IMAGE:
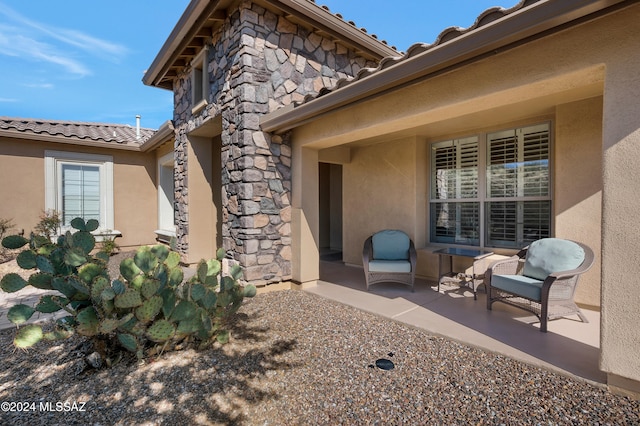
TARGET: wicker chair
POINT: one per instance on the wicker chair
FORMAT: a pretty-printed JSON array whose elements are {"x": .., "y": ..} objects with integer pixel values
[
  {"x": 389, "y": 256},
  {"x": 541, "y": 278}
]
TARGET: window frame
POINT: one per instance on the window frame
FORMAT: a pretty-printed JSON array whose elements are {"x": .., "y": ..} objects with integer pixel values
[
  {"x": 199, "y": 80},
  {"x": 166, "y": 232},
  {"x": 54, "y": 160},
  {"x": 482, "y": 198}
]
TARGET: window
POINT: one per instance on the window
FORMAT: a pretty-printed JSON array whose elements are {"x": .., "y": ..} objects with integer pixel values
[
  {"x": 199, "y": 81},
  {"x": 166, "y": 223},
  {"x": 79, "y": 185},
  {"x": 492, "y": 190}
]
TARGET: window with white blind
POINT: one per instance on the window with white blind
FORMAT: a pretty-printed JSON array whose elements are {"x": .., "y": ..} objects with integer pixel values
[
  {"x": 455, "y": 206},
  {"x": 79, "y": 185},
  {"x": 507, "y": 173}
]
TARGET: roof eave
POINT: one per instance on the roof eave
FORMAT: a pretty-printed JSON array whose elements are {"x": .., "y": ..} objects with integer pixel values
[
  {"x": 198, "y": 11},
  {"x": 165, "y": 133},
  {"x": 331, "y": 24},
  {"x": 68, "y": 140},
  {"x": 180, "y": 36},
  {"x": 521, "y": 26}
]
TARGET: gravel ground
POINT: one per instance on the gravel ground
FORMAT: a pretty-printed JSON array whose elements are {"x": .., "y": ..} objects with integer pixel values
[{"x": 298, "y": 359}]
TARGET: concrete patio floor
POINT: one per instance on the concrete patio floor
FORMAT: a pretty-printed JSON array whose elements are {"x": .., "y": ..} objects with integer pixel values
[{"x": 569, "y": 347}]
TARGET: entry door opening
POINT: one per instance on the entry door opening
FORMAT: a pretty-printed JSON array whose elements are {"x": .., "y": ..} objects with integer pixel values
[{"x": 330, "y": 182}]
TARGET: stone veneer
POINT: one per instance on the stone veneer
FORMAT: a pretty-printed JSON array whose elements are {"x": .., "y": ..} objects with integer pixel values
[{"x": 258, "y": 62}]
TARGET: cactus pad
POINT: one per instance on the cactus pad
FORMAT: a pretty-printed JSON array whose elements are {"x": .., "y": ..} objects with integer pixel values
[
  {"x": 169, "y": 302},
  {"x": 19, "y": 314},
  {"x": 91, "y": 271},
  {"x": 176, "y": 275},
  {"x": 41, "y": 281},
  {"x": 149, "y": 288},
  {"x": 28, "y": 336},
  {"x": 60, "y": 284},
  {"x": 128, "y": 342},
  {"x": 49, "y": 304},
  {"x": 84, "y": 241},
  {"x": 250, "y": 290},
  {"x": 161, "y": 331},
  {"x": 184, "y": 310},
  {"x": 12, "y": 282},
  {"x": 160, "y": 251},
  {"x": 87, "y": 322},
  {"x": 149, "y": 309},
  {"x": 98, "y": 286},
  {"x": 145, "y": 259},
  {"x": 128, "y": 269},
  {"x": 108, "y": 325},
  {"x": 173, "y": 260},
  {"x": 92, "y": 225},
  {"x": 197, "y": 292},
  {"x": 45, "y": 265},
  {"x": 26, "y": 259},
  {"x": 129, "y": 299},
  {"x": 209, "y": 300},
  {"x": 75, "y": 257},
  {"x": 13, "y": 242}
]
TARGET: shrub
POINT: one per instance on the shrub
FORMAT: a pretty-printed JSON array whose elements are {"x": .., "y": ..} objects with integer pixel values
[
  {"x": 109, "y": 245},
  {"x": 49, "y": 224},
  {"x": 5, "y": 226},
  {"x": 147, "y": 310}
]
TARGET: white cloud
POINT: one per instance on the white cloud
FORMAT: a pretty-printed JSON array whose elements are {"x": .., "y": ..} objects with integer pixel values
[
  {"x": 25, "y": 38},
  {"x": 8, "y": 100}
]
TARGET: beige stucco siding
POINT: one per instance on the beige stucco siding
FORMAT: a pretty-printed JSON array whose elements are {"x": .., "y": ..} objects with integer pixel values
[
  {"x": 621, "y": 202},
  {"x": 380, "y": 191},
  {"x": 578, "y": 184},
  {"x": 21, "y": 183},
  {"x": 23, "y": 180}
]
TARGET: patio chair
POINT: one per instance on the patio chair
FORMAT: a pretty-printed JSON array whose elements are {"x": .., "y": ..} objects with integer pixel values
[
  {"x": 389, "y": 256},
  {"x": 541, "y": 278}
]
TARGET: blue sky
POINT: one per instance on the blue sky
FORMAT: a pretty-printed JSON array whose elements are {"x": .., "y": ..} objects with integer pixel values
[{"x": 84, "y": 61}]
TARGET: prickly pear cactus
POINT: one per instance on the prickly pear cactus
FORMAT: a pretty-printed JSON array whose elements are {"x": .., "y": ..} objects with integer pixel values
[{"x": 148, "y": 309}]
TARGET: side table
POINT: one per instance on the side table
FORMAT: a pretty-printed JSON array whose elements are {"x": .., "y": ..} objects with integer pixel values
[{"x": 446, "y": 272}]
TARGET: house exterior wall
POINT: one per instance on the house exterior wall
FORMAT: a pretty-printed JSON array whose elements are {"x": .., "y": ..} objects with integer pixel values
[
  {"x": 258, "y": 61},
  {"x": 586, "y": 80},
  {"x": 393, "y": 177},
  {"x": 133, "y": 184}
]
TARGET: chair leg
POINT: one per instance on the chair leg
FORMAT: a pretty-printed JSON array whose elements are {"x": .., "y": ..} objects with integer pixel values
[{"x": 582, "y": 317}]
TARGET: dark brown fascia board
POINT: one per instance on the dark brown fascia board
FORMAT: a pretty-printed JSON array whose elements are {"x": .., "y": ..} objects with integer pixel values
[
  {"x": 165, "y": 133},
  {"x": 330, "y": 24},
  {"x": 539, "y": 18},
  {"x": 191, "y": 21}
]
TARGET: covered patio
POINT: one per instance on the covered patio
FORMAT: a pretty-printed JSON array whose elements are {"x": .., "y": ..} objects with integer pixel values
[{"x": 569, "y": 347}]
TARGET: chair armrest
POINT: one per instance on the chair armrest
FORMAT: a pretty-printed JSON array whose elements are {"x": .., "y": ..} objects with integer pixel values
[
  {"x": 505, "y": 266},
  {"x": 413, "y": 256},
  {"x": 367, "y": 254}
]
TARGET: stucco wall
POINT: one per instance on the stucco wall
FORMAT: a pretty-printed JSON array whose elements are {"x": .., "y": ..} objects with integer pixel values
[
  {"x": 577, "y": 180},
  {"x": 22, "y": 189},
  {"x": 379, "y": 192},
  {"x": 621, "y": 240}
]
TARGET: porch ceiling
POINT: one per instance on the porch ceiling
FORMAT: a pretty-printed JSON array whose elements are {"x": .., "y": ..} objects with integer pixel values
[{"x": 390, "y": 119}]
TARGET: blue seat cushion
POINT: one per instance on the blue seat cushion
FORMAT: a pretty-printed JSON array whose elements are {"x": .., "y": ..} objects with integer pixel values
[
  {"x": 390, "y": 245},
  {"x": 550, "y": 255},
  {"x": 389, "y": 266},
  {"x": 521, "y": 285}
]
